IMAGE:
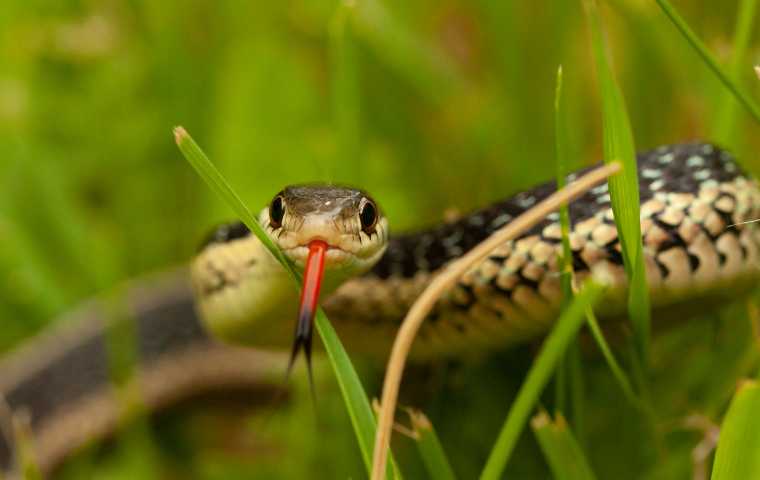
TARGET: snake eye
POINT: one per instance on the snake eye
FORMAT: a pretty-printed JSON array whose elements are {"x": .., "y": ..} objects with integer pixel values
[
  {"x": 368, "y": 217},
  {"x": 276, "y": 212}
]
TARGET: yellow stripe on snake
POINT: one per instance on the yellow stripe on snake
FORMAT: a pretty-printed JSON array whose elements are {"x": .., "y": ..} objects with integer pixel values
[{"x": 698, "y": 251}]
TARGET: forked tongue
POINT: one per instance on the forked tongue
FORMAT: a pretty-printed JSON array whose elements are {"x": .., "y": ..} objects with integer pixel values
[{"x": 312, "y": 282}]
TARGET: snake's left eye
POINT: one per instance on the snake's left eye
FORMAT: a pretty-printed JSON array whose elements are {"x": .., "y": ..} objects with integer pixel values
[
  {"x": 368, "y": 217},
  {"x": 276, "y": 212}
]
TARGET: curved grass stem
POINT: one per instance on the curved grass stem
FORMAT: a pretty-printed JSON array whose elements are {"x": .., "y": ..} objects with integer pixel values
[{"x": 417, "y": 314}]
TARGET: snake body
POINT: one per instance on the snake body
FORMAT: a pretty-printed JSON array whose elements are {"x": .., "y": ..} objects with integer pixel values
[{"x": 694, "y": 200}]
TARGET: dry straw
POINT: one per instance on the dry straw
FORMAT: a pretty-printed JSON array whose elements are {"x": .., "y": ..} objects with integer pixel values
[{"x": 411, "y": 325}]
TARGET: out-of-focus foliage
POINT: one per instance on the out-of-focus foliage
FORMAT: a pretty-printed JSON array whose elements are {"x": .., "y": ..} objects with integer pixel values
[
  {"x": 93, "y": 190},
  {"x": 736, "y": 456}
]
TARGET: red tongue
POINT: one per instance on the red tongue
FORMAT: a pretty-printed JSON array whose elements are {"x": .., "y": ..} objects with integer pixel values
[{"x": 312, "y": 282}]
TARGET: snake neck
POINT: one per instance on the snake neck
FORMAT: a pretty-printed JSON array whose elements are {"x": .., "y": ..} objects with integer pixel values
[{"x": 251, "y": 298}]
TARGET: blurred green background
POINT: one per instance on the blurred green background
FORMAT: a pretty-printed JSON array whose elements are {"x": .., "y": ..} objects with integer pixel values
[{"x": 429, "y": 105}]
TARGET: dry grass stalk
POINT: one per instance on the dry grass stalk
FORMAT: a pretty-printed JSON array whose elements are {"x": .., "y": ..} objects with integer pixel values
[{"x": 416, "y": 315}]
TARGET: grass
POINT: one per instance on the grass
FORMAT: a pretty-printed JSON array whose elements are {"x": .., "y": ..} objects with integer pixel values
[
  {"x": 709, "y": 59},
  {"x": 569, "y": 382},
  {"x": 624, "y": 189},
  {"x": 571, "y": 367},
  {"x": 443, "y": 282},
  {"x": 453, "y": 110},
  {"x": 430, "y": 448},
  {"x": 543, "y": 367},
  {"x": 736, "y": 456},
  {"x": 725, "y": 125},
  {"x": 563, "y": 452},
  {"x": 356, "y": 400}
]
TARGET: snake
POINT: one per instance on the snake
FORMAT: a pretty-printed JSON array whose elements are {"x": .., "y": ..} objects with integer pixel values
[{"x": 701, "y": 248}]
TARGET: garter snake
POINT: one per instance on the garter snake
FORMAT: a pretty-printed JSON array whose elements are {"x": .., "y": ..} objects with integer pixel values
[{"x": 694, "y": 199}]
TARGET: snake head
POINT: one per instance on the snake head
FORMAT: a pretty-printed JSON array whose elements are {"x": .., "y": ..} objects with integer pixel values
[
  {"x": 243, "y": 293},
  {"x": 330, "y": 233},
  {"x": 348, "y": 220}
]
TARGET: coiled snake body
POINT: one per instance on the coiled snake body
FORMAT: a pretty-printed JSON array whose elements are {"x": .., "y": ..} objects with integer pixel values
[{"x": 694, "y": 200}]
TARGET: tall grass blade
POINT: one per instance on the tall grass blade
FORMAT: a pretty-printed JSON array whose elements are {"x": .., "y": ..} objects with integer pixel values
[
  {"x": 571, "y": 362},
  {"x": 563, "y": 168},
  {"x": 26, "y": 455},
  {"x": 726, "y": 118},
  {"x": 708, "y": 58},
  {"x": 213, "y": 178},
  {"x": 357, "y": 404},
  {"x": 430, "y": 448},
  {"x": 562, "y": 451},
  {"x": 617, "y": 371},
  {"x": 554, "y": 347},
  {"x": 739, "y": 445},
  {"x": 569, "y": 373},
  {"x": 624, "y": 189}
]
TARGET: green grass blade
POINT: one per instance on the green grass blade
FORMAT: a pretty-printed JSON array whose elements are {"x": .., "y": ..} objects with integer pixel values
[
  {"x": 26, "y": 454},
  {"x": 726, "y": 118},
  {"x": 430, "y": 448},
  {"x": 562, "y": 451},
  {"x": 708, "y": 58},
  {"x": 565, "y": 274},
  {"x": 624, "y": 188},
  {"x": 617, "y": 371},
  {"x": 569, "y": 373},
  {"x": 213, "y": 178},
  {"x": 737, "y": 455},
  {"x": 357, "y": 403},
  {"x": 563, "y": 168},
  {"x": 552, "y": 350}
]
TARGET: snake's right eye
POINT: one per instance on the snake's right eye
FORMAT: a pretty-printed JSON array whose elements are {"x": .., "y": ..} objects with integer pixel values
[{"x": 276, "y": 212}]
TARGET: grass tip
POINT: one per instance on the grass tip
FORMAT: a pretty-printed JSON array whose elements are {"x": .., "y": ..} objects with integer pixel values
[
  {"x": 420, "y": 421},
  {"x": 540, "y": 420},
  {"x": 180, "y": 134},
  {"x": 746, "y": 383}
]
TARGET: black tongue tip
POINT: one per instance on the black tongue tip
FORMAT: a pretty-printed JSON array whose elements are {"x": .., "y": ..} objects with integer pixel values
[{"x": 302, "y": 341}]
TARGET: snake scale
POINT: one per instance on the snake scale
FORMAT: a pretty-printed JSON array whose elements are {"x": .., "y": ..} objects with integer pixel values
[{"x": 694, "y": 200}]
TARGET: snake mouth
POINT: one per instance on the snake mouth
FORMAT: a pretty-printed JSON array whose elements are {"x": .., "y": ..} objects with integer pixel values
[{"x": 334, "y": 256}]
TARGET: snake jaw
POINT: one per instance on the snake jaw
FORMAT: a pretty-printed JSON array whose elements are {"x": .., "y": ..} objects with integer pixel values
[
  {"x": 350, "y": 251},
  {"x": 335, "y": 257}
]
